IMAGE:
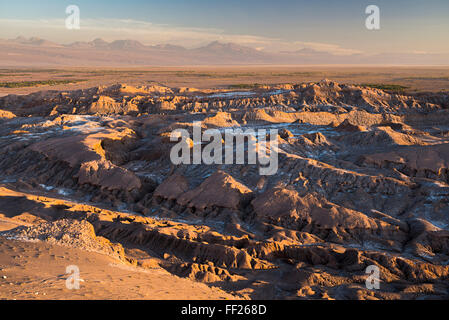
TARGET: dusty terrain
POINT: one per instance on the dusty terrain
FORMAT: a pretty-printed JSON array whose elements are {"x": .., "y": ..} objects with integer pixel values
[
  {"x": 37, "y": 271},
  {"x": 413, "y": 79},
  {"x": 362, "y": 180},
  {"x": 41, "y": 53}
]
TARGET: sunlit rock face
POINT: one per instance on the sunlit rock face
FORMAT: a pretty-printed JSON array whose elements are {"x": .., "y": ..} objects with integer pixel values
[{"x": 362, "y": 180}]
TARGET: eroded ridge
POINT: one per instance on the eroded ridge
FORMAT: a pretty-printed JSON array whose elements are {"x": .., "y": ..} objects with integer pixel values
[{"x": 362, "y": 180}]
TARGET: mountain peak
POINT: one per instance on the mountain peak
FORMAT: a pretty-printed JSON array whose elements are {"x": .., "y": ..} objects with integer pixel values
[
  {"x": 228, "y": 47},
  {"x": 126, "y": 44},
  {"x": 35, "y": 41},
  {"x": 99, "y": 42}
]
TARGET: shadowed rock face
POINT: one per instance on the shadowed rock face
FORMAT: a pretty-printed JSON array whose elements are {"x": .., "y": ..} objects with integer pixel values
[{"x": 362, "y": 180}]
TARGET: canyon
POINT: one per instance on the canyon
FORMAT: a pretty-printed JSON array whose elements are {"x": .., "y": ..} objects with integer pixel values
[{"x": 362, "y": 180}]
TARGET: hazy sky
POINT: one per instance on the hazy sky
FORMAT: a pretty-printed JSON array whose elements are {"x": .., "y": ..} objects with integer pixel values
[{"x": 334, "y": 26}]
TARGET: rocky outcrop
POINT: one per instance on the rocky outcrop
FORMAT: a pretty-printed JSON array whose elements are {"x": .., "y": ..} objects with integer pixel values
[
  {"x": 6, "y": 114},
  {"x": 218, "y": 190},
  {"x": 220, "y": 120},
  {"x": 288, "y": 209},
  {"x": 361, "y": 180},
  {"x": 426, "y": 161},
  {"x": 68, "y": 232}
]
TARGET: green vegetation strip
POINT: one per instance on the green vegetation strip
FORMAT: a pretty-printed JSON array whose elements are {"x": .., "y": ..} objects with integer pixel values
[
  {"x": 245, "y": 86},
  {"x": 291, "y": 74},
  {"x": 386, "y": 87},
  {"x": 9, "y": 71},
  {"x": 23, "y": 84},
  {"x": 426, "y": 78}
]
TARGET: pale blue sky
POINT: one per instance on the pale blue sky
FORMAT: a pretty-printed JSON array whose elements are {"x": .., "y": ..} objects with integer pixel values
[{"x": 406, "y": 25}]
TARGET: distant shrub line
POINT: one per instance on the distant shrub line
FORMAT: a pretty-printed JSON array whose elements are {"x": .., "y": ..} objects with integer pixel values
[
  {"x": 245, "y": 86},
  {"x": 22, "y": 84},
  {"x": 386, "y": 87}
]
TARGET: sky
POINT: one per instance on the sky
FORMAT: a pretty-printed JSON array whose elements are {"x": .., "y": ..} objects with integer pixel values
[{"x": 338, "y": 27}]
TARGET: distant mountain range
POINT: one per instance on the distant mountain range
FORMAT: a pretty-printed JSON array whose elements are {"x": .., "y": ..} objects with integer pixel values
[{"x": 40, "y": 52}]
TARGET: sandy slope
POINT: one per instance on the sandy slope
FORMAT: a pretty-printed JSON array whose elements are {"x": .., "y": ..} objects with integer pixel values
[{"x": 37, "y": 271}]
